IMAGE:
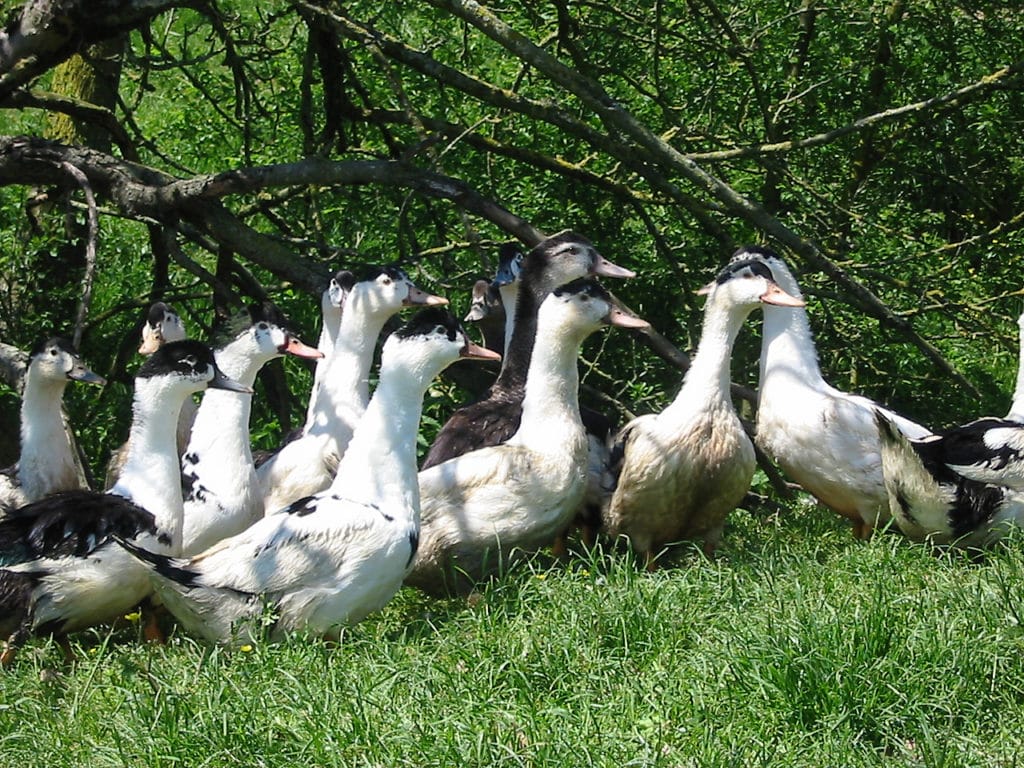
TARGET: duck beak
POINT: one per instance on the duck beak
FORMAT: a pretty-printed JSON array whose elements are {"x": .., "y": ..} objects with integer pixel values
[
  {"x": 221, "y": 381},
  {"x": 416, "y": 296},
  {"x": 476, "y": 313},
  {"x": 775, "y": 295},
  {"x": 151, "y": 341},
  {"x": 476, "y": 352},
  {"x": 605, "y": 268},
  {"x": 622, "y": 319},
  {"x": 79, "y": 372},
  {"x": 704, "y": 290},
  {"x": 295, "y": 347}
]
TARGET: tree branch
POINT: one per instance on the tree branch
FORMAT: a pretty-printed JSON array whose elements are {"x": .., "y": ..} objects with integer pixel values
[
  {"x": 619, "y": 120},
  {"x": 45, "y": 32},
  {"x": 999, "y": 78},
  {"x": 13, "y": 363},
  {"x": 147, "y": 194}
]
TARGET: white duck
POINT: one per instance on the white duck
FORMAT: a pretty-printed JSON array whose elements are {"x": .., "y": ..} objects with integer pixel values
[
  {"x": 680, "y": 472},
  {"x": 480, "y": 507},
  {"x": 306, "y": 465},
  {"x": 332, "y": 304},
  {"x": 930, "y": 502},
  {"x": 162, "y": 324},
  {"x": 824, "y": 439},
  {"x": 68, "y": 574},
  {"x": 222, "y": 493},
  {"x": 494, "y": 418},
  {"x": 338, "y": 555},
  {"x": 49, "y": 460}
]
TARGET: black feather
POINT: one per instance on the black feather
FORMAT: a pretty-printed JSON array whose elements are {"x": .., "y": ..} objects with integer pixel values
[
  {"x": 172, "y": 568},
  {"x": 69, "y": 524},
  {"x": 495, "y": 417}
]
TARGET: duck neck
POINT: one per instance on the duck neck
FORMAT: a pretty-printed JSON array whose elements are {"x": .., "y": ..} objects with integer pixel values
[
  {"x": 325, "y": 345},
  {"x": 709, "y": 376},
  {"x": 519, "y": 351},
  {"x": 551, "y": 399},
  {"x": 1017, "y": 408},
  {"x": 151, "y": 476},
  {"x": 45, "y": 441},
  {"x": 220, "y": 432},
  {"x": 379, "y": 466},
  {"x": 787, "y": 349},
  {"x": 345, "y": 387},
  {"x": 509, "y": 297}
]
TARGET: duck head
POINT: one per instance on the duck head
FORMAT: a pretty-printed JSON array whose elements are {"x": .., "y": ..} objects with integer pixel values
[
  {"x": 748, "y": 282},
  {"x": 162, "y": 324},
  {"x": 56, "y": 360}
]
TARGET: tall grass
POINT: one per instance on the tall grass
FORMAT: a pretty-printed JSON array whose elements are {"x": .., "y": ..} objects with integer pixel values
[{"x": 797, "y": 646}]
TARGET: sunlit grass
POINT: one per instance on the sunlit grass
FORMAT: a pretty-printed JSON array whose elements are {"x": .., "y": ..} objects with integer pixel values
[{"x": 797, "y": 646}]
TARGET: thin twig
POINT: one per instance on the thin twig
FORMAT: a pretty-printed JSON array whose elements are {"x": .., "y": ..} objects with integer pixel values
[{"x": 90, "y": 252}]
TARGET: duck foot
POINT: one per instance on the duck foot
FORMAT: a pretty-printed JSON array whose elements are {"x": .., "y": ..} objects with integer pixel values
[
  {"x": 151, "y": 630},
  {"x": 559, "y": 547},
  {"x": 7, "y": 655},
  {"x": 862, "y": 530},
  {"x": 650, "y": 561}
]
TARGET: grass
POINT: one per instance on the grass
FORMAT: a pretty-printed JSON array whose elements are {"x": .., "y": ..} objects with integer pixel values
[{"x": 798, "y": 646}]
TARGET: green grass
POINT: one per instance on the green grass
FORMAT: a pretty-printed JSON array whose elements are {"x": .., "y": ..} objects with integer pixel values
[{"x": 798, "y": 646}]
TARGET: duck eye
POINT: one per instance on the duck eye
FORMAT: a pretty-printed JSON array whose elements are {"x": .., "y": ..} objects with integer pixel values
[
  {"x": 53, "y": 351},
  {"x": 262, "y": 326},
  {"x": 385, "y": 280},
  {"x": 440, "y": 330}
]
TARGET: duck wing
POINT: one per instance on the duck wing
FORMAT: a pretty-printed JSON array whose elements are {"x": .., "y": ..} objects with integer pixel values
[
  {"x": 69, "y": 524},
  {"x": 488, "y": 422},
  {"x": 308, "y": 545},
  {"x": 986, "y": 450}
]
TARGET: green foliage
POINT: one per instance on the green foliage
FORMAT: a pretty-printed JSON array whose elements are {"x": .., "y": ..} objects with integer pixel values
[{"x": 924, "y": 210}]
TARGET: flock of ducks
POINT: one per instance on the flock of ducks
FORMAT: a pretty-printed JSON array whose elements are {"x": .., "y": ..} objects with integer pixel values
[{"x": 329, "y": 527}]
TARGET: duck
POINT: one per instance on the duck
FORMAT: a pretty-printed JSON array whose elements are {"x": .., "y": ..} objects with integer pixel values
[
  {"x": 487, "y": 313},
  {"x": 824, "y": 439},
  {"x": 332, "y": 304},
  {"x": 334, "y": 557},
  {"x": 506, "y": 284},
  {"x": 483, "y": 507},
  {"x": 307, "y": 464},
  {"x": 161, "y": 324},
  {"x": 222, "y": 493},
  {"x": 678, "y": 473},
  {"x": 62, "y": 570},
  {"x": 932, "y": 503},
  {"x": 494, "y": 418},
  {"x": 489, "y": 300},
  {"x": 49, "y": 460}
]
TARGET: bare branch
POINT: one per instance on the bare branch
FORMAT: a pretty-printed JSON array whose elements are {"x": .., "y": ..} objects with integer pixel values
[
  {"x": 13, "y": 363},
  {"x": 78, "y": 109},
  {"x": 46, "y": 32},
  {"x": 90, "y": 252},
  {"x": 998, "y": 79},
  {"x": 148, "y": 194},
  {"x": 619, "y": 119}
]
